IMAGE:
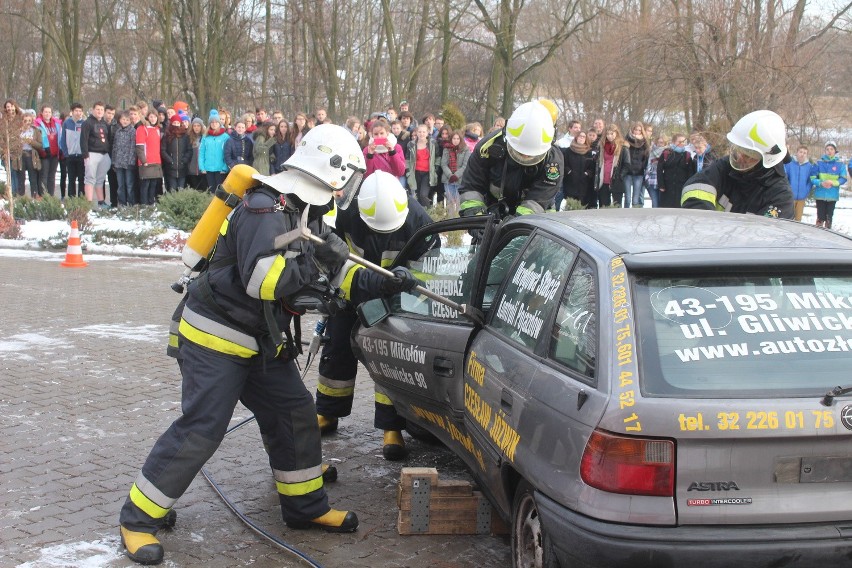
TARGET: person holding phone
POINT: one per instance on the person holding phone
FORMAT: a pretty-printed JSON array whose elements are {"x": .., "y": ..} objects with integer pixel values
[{"x": 383, "y": 153}]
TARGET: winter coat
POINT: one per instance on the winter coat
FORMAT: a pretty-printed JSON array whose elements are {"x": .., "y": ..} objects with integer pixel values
[
  {"x": 211, "y": 154},
  {"x": 148, "y": 152},
  {"x": 34, "y": 140},
  {"x": 461, "y": 162},
  {"x": 193, "y": 168},
  {"x": 392, "y": 162},
  {"x": 238, "y": 150},
  {"x": 53, "y": 124},
  {"x": 620, "y": 161},
  {"x": 280, "y": 153},
  {"x": 579, "y": 174},
  {"x": 761, "y": 191},
  {"x": 124, "y": 147},
  {"x": 673, "y": 169},
  {"x": 69, "y": 143},
  {"x": 638, "y": 156},
  {"x": 412, "y": 160},
  {"x": 831, "y": 170},
  {"x": 799, "y": 176},
  {"x": 262, "y": 154},
  {"x": 176, "y": 153}
]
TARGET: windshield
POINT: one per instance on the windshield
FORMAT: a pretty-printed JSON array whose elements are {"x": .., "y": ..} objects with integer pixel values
[{"x": 744, "y": 336}]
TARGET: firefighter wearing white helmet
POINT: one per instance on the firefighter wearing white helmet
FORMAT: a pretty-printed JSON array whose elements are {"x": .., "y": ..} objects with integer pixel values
[
  {"x": 235, "y": 345},
  {"x": 752, "y": 178},
  {"x": 384, "y": 220},
  {"x": 516, "y": 170}
]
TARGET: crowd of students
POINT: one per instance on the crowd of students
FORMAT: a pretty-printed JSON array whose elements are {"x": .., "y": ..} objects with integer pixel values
[{"x": 145, "y": 150}]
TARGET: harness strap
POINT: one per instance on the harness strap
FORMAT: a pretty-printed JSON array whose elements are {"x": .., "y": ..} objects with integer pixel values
[{"x": 230, "y": 199}]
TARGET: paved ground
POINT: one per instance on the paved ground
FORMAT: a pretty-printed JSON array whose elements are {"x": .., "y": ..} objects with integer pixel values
[{"x": 85, "y": 389}]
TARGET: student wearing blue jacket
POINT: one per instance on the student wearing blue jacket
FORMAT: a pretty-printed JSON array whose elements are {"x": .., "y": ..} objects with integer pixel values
[
  {"x": 799, "y": 173},
  {"x": 828, "y": 175},
  {"x": 211, "y": 153}
]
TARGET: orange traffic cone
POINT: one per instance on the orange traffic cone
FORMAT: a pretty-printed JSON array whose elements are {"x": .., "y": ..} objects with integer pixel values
[{"x": 74, "y": 255}]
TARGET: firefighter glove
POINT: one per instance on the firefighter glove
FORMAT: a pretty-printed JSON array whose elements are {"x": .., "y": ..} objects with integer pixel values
[
  {"x": 402, "y": 281},
  {"x": 332, "y": 253}
]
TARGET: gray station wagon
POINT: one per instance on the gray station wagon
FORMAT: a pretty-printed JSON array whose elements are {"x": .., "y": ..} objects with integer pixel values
[{"x": 636, "y": 388}]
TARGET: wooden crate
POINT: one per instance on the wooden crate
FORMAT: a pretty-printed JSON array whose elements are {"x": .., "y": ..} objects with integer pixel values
[{"x": 429, "y": 505}]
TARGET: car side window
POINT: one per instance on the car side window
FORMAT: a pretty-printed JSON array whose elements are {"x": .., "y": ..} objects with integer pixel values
[
  {"x": 575, "y": 330},
  {"x": 499, "y": 266},
  {"x": 446, "y": 269},
  {"x": 527, "y": 296}
]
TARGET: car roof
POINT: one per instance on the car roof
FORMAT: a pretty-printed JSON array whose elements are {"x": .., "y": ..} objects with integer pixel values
[{"x": 682, "y": 238}]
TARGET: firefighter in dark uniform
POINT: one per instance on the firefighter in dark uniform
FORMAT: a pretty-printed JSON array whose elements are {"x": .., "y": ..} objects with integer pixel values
[
  {"x": 384, "y": 220},
  {"x": 516, "y": 170},
  {"x": 235, "y": 345},
  {"x": 752, "y": 179}
]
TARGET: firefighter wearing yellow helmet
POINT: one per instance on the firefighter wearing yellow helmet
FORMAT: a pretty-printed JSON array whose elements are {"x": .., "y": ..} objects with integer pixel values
[
  {"x": 752, "y": 178},
  {"x": 516, "y": 170}
]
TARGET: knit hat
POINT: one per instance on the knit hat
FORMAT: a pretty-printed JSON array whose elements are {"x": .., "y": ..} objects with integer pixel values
[
  {"x": 214, "y": 115},
  {"x": 831, "y": 143},
  {"x": 180, "y": 106},
  {"x": 156, "y": 103},
  {"x": 183, "y": 116},
  {"x": 176, "y": 119},
  {"x": 162, "y": 110},
  {"x": 197, "y": 120}
]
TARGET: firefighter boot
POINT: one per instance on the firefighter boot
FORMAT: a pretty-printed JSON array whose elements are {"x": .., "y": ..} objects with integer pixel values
[
  {"x": 327, "y": 424},
  {"x": 394, "y": 448},
  {"x": 333, "y": 521},
  {"x": 141, "y": 547}
]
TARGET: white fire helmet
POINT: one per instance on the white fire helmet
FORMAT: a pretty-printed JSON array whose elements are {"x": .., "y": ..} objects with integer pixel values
[
  {"x": 327, "y": 154},
  {"x": 529, "y": 133},
  {"x": 383, "y": 202},
  {"x": 759, "y": 136}
]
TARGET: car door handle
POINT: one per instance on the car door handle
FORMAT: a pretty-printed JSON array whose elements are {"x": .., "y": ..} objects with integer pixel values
[
  {"x": 443, "y": 367},
  {"x": 506, "y": 401}
]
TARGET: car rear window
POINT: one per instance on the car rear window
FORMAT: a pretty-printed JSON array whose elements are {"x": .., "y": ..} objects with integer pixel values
[{"x": 744, "y": 336}]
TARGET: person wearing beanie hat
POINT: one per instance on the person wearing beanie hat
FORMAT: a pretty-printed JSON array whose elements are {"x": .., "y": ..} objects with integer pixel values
[
  {"x": 211, "y": 154},
  {"x": 181, "y": 106},
  {"x": 194, "y": 178},
  {"x": 183, "y": 116},
  {"x": 827, "y": 175},
  {"x": 176, "y": 153}
]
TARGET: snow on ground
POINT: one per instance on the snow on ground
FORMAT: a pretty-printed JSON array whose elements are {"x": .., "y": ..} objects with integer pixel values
[{"x": 35, "y": 232}]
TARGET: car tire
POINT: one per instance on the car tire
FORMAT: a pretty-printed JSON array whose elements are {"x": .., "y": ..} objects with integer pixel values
[
  {"x": 421, "y": 434},
  {"x": 531, "y": 546}
]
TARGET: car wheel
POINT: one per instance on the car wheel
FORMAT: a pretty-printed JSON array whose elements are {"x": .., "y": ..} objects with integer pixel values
[
  {"x": 531, "y": 546},
  {"x": 421, "y": 434}
]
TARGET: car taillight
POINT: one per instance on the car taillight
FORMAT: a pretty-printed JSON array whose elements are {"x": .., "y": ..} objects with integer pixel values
[{"x": 635, "y": 466}]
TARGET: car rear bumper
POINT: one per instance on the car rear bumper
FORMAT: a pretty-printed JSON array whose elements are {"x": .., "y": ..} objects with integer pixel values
[{"x": 582, "y": 541}]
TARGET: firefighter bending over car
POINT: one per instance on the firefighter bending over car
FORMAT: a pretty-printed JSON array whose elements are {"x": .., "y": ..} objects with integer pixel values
[
  {"x": 235, "y": 345},
  {"x": 383, "y": 221},
  {"x": 515, "y": 170},
  {"x": 752, "y": 179}
]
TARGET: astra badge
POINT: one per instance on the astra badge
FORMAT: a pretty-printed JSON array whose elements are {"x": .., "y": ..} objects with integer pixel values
[{"x": 846, "y": 416}]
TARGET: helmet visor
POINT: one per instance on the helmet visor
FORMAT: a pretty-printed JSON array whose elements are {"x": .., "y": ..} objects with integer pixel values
[
  {"x": 524, "y": 159},
  {"x": 744, "y": 159},
  {"x": 343, "y": 197}
]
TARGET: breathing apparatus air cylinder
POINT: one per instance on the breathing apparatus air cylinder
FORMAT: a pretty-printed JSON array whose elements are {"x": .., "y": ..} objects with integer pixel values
[{"x": 204, "y": 235}]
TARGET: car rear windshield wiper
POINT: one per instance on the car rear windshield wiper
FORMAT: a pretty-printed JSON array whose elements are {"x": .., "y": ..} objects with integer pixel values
[{"x": 828, "y": 399}]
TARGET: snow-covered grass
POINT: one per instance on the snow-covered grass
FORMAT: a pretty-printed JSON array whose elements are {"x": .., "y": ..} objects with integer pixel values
[{"x": 47, "y": 240}]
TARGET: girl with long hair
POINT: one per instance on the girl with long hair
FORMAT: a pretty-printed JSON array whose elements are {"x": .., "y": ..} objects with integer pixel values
[{"x": 611, "y": 167}]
